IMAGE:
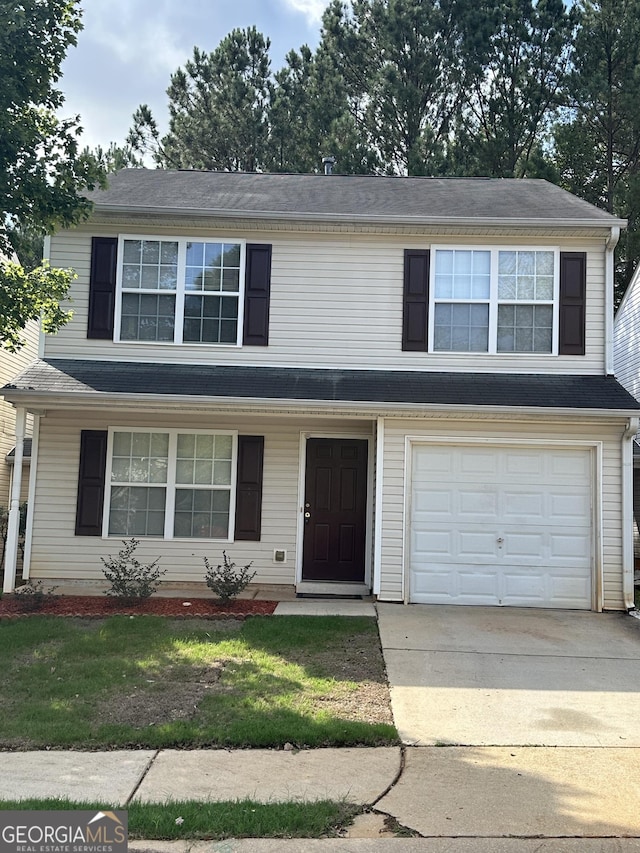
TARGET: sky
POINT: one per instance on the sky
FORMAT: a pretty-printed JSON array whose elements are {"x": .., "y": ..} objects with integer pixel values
[{"x": 128, "y": 50}]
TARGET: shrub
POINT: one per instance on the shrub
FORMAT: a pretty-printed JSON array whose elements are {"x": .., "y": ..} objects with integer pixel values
[
  {"x": 225, "y": 580},
  {"x": 129, "y": 578},
  {"x": 32, "y": 596}
]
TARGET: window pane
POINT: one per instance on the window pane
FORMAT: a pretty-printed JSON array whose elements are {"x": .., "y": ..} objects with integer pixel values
[
  {"x": 223, "y": 446},
  {"x": 526, "y": 276},
  {"x": 462, "y": 261},
  {"x": 525, "y": 287},
  {"x": 444, "y": 261},
  {"x": 202, "y": 514},
  {"x": 213, "y": 254},
  {"x": 231, "y": 281},
  {"x": 169, "y": 253},
  {"x": 195, "y": 254},
  {"x": 222, "y": 474},
  {"x": 525, "y": 328},
  {"x": 444, "y": 287},
  {"x": 150, "y": 252},
  {"x": 507, "y": 287},
  {"x": 507, "y": 263},
  {"x": 130, "y": 276},
  {"x": 212, "y": 280},
  {"x": 168, "y": 278},
  {"x": 231, "y": 254},
  {"x": 461, "y": 328},
  {"x": 137, "y": 511},
  {"x": 204, "y": 446},
  {"x": 544, "y": 287},
  {"x": 544, "y": 263},
  {"x": 147, "y": 317},
  {"x": 132, "y": 251}
]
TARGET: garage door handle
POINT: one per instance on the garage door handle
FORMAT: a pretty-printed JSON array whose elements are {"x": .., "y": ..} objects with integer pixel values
[{"x": 499, "y": 540}]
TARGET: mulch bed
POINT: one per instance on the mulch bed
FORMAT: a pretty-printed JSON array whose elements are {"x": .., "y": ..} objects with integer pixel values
[{"x": 99, "y": 607}]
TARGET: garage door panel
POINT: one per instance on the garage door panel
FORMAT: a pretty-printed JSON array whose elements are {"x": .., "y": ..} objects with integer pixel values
[
  {"x": 474, "y": 504},
  {"x": 481, "y": 464},
  {"x": 564, "y": 546},
  {"x": 438, "y": 503},
  {"x": 522, "y": 463},
  {"x": 503, "y": 525}
]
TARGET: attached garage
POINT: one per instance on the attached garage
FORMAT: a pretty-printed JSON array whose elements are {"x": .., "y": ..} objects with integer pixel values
[{"x": 501, "y": 524}]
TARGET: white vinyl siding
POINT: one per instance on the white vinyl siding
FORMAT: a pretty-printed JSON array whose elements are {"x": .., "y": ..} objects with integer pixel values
[
  {"x": 626, "y": 338},
  {"x": 336, "y": 300},
  {"x": 394, "y": 543},
  {"x": 12, "y": 363},
  {"x": 58, "y": 553}
]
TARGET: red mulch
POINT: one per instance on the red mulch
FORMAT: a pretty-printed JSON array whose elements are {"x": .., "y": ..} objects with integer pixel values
[{"x": 99, "y": 607}]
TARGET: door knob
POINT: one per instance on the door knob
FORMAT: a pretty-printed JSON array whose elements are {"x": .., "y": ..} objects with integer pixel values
[{"x": 307, "y": 515}]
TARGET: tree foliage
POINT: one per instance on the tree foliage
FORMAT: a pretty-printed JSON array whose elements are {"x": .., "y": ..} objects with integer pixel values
[
  {"x": 42, "y": 173},
  {"x": 597, "y": 145},
  {"x": 31, "y": 295},
  {"x": 498, "y": 88},
  {"x": 398, "y": 58},
  {"x": 515, "y": 85}
]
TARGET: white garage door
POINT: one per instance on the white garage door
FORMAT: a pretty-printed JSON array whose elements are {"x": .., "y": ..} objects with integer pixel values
[{"x": 505, "y": 525}]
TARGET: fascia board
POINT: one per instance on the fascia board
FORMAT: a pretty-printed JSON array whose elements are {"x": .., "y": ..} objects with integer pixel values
[
  {"x": 97, "y": 399},
  {"x": 288, "y": 216}
]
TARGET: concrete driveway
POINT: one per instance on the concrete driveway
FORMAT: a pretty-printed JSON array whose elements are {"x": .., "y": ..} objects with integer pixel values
[
  {"x": 540, "y": 710},
  {"x": 480, "y": 676}
]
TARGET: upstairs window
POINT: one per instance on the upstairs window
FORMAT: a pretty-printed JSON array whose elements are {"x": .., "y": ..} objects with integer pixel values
[
  {"x": 494, "y": 300},
  {"x": 180, "y": 291}
]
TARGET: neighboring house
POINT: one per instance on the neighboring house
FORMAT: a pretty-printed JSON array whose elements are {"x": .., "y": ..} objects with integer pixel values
[
  {"x": 12, "y": 363},
  {"x": 359, "y": 383},
  {"x": 626, "y": 359}
]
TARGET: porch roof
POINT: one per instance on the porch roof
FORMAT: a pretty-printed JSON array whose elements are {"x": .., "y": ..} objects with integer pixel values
[{"x": 85, "y": 379}]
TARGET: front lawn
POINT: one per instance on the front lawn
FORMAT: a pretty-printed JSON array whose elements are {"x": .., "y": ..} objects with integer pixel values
[{"x": 152, "y": 682}]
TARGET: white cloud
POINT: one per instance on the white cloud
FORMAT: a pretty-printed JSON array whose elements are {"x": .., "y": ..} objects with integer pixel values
[
  {"x": 138, "y": 36},
  {"x": 313, "y": 9}
]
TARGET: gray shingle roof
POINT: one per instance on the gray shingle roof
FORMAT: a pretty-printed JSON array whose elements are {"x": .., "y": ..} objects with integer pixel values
[
  {"x": 339, "y": 196},
  {"x": 66, "y": 376}
]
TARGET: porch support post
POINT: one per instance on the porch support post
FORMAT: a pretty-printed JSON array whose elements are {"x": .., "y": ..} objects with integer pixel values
[
  {"x": 627, "y": 513},
  {"x": 13, "y": 529},
  {"x": 377, "y": 531}
]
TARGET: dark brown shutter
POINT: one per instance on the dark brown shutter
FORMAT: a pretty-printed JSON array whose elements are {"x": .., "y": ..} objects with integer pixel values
[
  {"x": 257, "y": 290},
  {"x": 415, "y": 313},
  {"x": 249, "y": 488},
  {"x": 573, "y": 298},
  {"x": 91, "y": 478},
  {"x": 102, "y": 287}
]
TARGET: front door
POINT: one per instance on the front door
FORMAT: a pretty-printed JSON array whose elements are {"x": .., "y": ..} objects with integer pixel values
[{"x": 335, "y": 510}]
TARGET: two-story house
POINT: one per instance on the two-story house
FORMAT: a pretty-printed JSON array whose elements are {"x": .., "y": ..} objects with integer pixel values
[{"x": 400, "y": 385}]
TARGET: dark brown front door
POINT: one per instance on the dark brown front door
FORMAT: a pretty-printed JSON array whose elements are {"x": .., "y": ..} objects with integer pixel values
[{"x": 335, "y": 510}]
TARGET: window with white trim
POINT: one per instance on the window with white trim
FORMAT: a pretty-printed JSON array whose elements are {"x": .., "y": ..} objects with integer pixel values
[
  {"x": 171, "y": 484},
  {"x": 494, "y": 300},
  {"x": 180, "y": 290}
]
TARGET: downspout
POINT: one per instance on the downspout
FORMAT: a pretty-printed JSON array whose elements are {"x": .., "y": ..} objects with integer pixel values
[
  {"x": 627, "y": 512},
  {"x": 612, "y": 242},
  {"x": 13, "y": 529}
]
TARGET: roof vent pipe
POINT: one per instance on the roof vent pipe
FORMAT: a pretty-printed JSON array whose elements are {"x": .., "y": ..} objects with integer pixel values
[{"x": 328, "y": 163}]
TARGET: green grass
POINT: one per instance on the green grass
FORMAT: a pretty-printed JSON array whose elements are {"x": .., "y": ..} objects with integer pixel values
[
  {"x": 69, "y": 683},
  {"x": 215, "y": 821}
]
